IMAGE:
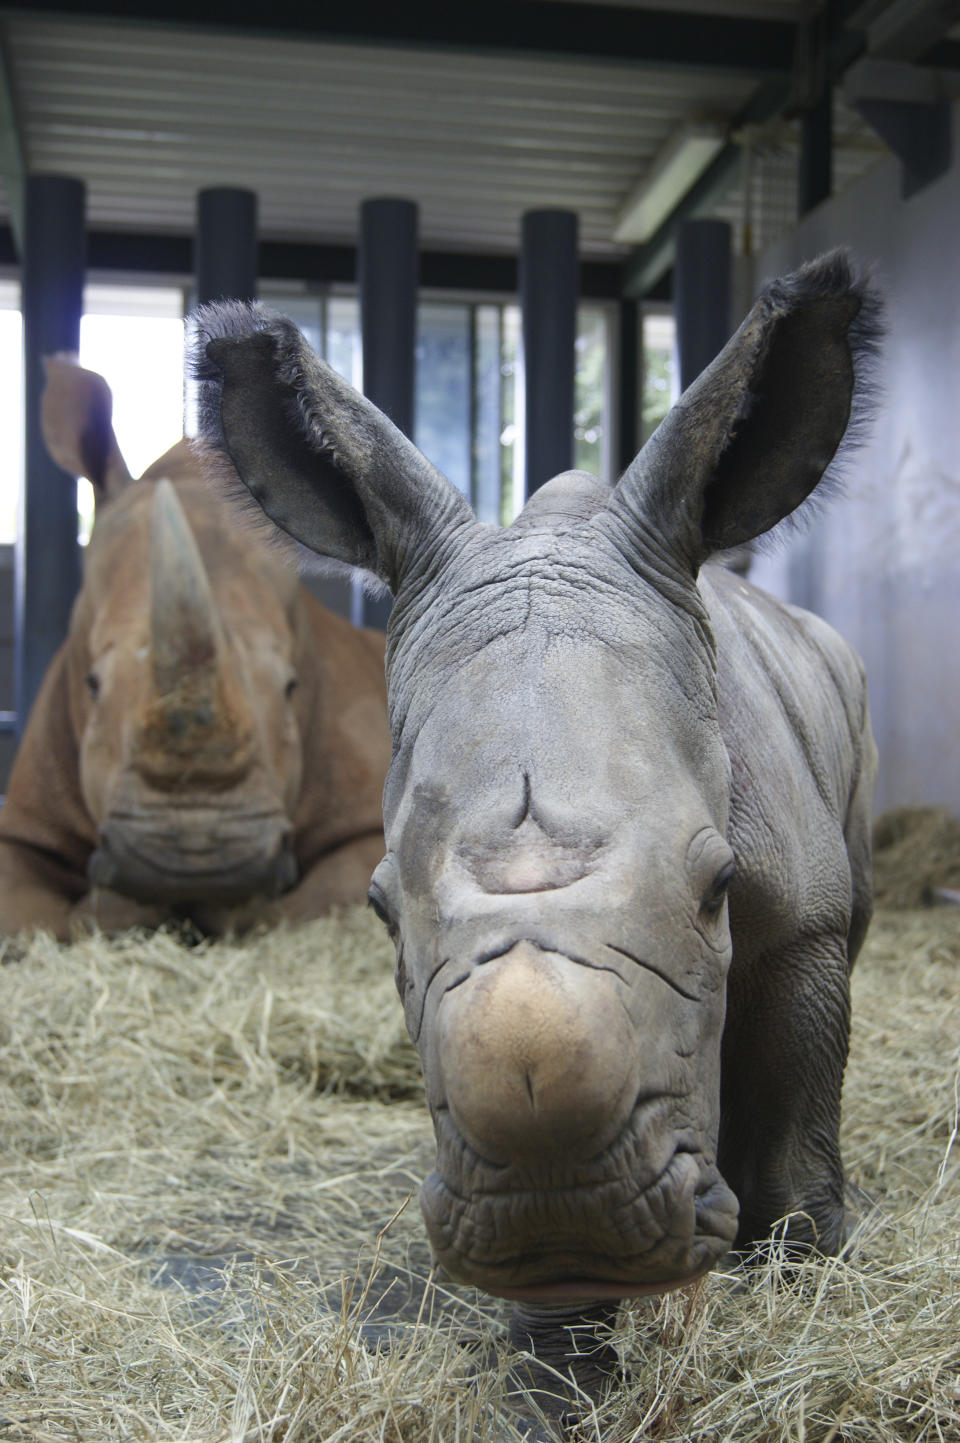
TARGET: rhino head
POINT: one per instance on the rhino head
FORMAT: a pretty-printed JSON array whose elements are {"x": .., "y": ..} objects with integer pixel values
[
  {"x": 556, "y": 810},
  {"x": 182, "y": 674}
]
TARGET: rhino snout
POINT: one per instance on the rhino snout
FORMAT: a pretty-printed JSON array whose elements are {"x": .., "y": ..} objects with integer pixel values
[
  {"x": 536, "y": 1057},
  {"x": 194, "y": 857}
]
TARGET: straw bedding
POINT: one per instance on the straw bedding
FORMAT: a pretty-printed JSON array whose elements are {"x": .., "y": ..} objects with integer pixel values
[
  {"x": 206, "y": 1156},
  {"x": 915, "y": 851}
]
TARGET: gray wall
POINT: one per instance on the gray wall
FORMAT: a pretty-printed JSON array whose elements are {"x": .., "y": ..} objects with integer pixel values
[{"x": 882, "y": 564}]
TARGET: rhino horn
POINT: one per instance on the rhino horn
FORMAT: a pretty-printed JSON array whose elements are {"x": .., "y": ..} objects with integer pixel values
[{"x": 187, "y": 638}]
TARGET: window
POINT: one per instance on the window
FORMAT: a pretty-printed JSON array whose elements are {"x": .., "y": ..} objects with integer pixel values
[
  {"x": 11, "y": 407},
  {"x": 133, "y": 336},
  {"x": 659, "y": 369},
  {"x": 468, "y": 403}
]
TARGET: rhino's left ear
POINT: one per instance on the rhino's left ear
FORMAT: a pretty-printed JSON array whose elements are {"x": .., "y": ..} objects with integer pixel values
[
  {"x": 754, "y": 435},
  {"x": 76, "y": 419},
  {"x": 324, "y": 464}
]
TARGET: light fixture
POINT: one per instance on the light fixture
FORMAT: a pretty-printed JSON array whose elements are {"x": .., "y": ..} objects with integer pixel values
[{"x": 678, "y": 166}]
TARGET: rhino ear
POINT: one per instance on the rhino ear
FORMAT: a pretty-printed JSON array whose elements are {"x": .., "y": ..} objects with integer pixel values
[
  {"x": 755, "y": 434},
  {"x": 76, "y": 420},
  {"x": 324, "y": 464}
]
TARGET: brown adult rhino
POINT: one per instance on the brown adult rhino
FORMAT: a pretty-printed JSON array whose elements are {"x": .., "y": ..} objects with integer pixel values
[
  {"x": 627, "y": 816},
  {"x": 209, "y": 741}
]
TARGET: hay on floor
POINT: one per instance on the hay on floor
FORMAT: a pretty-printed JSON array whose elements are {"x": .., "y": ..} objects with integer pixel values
[
  {"x": 916, "y": 853},
  {"x": 209, "y": 1230}
]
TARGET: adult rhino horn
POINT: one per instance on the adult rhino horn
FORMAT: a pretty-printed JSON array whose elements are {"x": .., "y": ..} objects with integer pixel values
[{"x": 186, "y": 631}]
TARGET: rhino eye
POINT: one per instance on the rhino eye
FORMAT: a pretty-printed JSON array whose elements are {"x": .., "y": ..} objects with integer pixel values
[
  {"x": 92, "y": 683},
  {"x": 376, "y": 900},
  {"x": 290, "y": 687},
  {"x": 715, "y": 898}
]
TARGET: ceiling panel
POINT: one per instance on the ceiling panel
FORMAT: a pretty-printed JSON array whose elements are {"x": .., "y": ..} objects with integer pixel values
[{"x": 149, "y": 114}]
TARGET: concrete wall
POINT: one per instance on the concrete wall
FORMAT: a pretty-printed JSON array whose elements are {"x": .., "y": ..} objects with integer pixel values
[{"x": 882, "y": 564}]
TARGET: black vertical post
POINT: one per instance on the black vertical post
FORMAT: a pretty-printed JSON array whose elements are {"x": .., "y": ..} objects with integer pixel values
[
  {"x": 47, "y": 565},
  {"x": 549, "y": 290},
  {"x": 225, "y": 254},
  {"x": 815, "y": 169},
  {"x": 701, "y": 294},
  {"x": 628, "y": 384},
  {"x": 387, "y": 276}
]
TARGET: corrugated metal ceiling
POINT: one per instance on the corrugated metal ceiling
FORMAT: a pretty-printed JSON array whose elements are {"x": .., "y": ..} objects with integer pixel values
[{"x": 147, "y": 115}]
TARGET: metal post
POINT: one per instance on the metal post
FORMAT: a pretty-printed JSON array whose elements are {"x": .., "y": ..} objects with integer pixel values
[
  {"x": 815, "y": 170},
  {"x": 549, "y": 289},
  {"x": 628, "y": 384},
  {"x": 47, "y": 568},
  {"x": 701, "y": 294},
  {"x": 225, "y": 256},
  {"x": 387, "y": 276}
]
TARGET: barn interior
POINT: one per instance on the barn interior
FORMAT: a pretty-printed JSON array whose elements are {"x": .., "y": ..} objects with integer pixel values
[
  {"x": 465, "y": 208},
  {"x": 700, "y": 151}
]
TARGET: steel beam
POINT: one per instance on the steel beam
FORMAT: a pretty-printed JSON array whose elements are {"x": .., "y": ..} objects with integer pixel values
[
  {"x": 909, "y": 108},
  {"x": 226, "y": 247},
  {"x": 628, "y": 383},
  {"x": 387, "y": 282},
  {"x": 47, "y": 555},
  {"x": 815, "y": 168},
  {"x": 649, "y": 263},
  {"x": 172, "y": 255},
  {"x": 549, "y": 290},
  {"x": 701, "y": 294},
  {"x": 646, "y": 267},
  {"x": 13, "y": 168},
  {"x": 533, "y": 28}
]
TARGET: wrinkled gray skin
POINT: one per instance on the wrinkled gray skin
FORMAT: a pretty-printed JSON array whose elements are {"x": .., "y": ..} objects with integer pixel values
[{"x": 627, "y": 817}]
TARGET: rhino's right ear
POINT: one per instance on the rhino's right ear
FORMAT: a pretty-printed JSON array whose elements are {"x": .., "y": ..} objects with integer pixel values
[
  {"x": 324, "y": 464},
  {"x": 758, "y": 431},
  {"x": 76, "y": 419}
]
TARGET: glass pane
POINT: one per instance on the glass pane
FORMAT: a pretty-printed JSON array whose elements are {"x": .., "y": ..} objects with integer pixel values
[
  {"x": 133, "y": 337},
  {"x": 343, "y": 349},
  {"x": 511, "y": 401},
  {"x": 11, "y": 419},
  {"x": 659, "y": 370},
  {"x": 141, "y": 359},
  {"x": 305, "y": 312},
  {"x": 487, "y": 422},
  {"x": 443, "y": 386},
  {"x": 590, "y": 390}
]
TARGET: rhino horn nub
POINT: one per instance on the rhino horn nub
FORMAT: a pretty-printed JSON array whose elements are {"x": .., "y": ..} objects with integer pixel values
[{"x": 186, "y": 631}]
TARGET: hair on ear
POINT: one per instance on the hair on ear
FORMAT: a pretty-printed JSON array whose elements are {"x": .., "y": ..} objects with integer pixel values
[
  {"x": 834, "y": 274},
  {"x": 216, "y": 321},
  {"x": 236, "y": 320}
]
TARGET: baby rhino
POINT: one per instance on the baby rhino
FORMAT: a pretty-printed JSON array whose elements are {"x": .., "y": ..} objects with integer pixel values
[
  {"x": 209, "y": 742},
  {"x": 627, "y": 817}
]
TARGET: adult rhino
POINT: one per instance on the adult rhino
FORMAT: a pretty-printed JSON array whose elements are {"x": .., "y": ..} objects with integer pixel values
[
  {"x": 209, "y": 741},
  {"x": 627, "y": 816}
]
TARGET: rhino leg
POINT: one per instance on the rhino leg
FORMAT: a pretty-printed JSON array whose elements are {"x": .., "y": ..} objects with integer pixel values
[
  {"x": 784, "y": 1051},
  {"x": 570, "y": 1360},
  {"x": 107, "y": 911},
  {"x": 338, "y": 878}
]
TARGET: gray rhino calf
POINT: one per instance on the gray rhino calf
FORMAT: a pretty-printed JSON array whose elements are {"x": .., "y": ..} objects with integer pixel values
[{"x": 627, "y": 817}]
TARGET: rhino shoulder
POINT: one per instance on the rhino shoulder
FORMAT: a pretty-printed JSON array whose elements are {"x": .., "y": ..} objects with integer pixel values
[{"x": 793, "y": 714}]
